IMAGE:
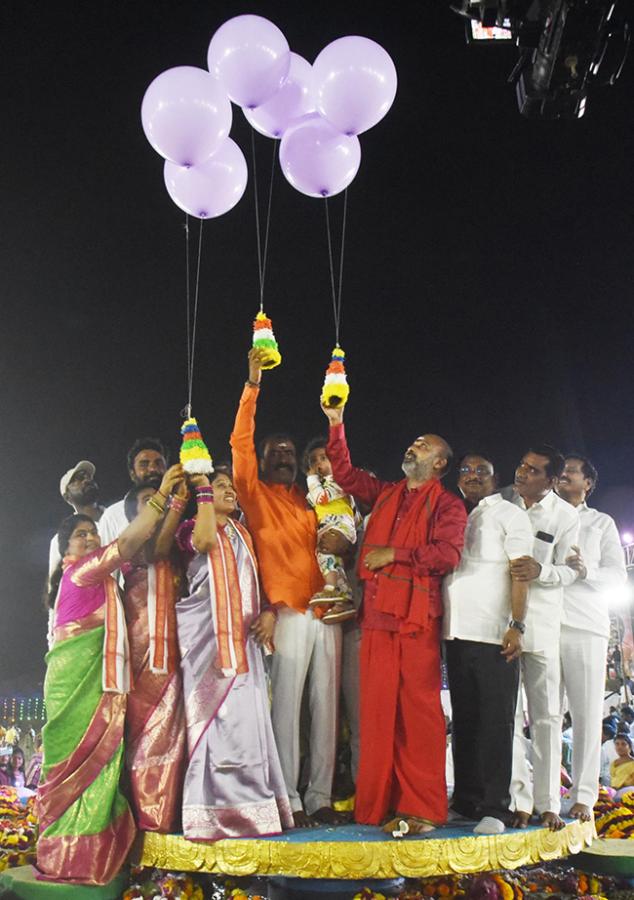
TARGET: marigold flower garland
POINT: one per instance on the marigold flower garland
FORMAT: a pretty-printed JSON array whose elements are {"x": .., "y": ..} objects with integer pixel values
[
  {"x": 336, "y": 389},
  {"x": 264, "y": 339}
]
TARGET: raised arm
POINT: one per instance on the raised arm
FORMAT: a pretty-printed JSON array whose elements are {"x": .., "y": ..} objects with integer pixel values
[
  {"x": 204, "y": 536},
  {"x": 245, "y": 460},
  {"x": 169, "y": 525},
  {"x": 97, "y": 565},
  {"x": 360, "y": 484},
  {"x": 144, "y": 525}
]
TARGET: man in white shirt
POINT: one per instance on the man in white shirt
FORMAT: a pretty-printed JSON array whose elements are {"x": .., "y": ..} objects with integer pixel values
[
  {"x": 585, "y": 628},
  {"x": 555, "y": 528},
  {"x": 483, "y": 622},
  {"x": 80, "y": 490},
  {"x": 147, "y": 462}
]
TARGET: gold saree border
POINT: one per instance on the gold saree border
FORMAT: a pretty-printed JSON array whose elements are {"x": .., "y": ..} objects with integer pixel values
[{"x": 361, "y": 859}]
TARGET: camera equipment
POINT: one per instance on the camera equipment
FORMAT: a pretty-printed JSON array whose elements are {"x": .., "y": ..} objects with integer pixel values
[{"x": 566, "y": 47}]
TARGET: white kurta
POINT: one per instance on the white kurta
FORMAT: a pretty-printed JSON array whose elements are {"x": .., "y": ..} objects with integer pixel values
[
  {"x": 112, "y": 523},
  {"x": 555, "y": 527},
  {"x": 477, "y": 595}
]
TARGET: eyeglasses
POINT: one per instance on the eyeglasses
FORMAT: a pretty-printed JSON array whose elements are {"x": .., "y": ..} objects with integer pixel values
[{"x": 475, "y": 470}]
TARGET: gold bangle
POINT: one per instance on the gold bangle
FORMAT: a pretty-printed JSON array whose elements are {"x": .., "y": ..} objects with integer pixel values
[{"x": 155, "y": 505}]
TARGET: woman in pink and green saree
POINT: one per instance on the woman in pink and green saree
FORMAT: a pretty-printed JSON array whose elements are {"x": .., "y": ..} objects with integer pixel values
[{"x": 86, "y": 826}]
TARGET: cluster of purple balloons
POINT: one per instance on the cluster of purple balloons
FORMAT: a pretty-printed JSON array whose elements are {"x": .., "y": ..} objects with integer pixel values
[{"x": 316, "y": 111}]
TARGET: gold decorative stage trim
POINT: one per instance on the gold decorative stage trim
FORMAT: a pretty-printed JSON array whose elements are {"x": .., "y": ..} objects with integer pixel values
[{"x": 390, "y": 858}]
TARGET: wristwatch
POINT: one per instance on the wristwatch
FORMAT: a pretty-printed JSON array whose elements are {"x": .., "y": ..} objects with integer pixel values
[{"x": 519, "y": 626}]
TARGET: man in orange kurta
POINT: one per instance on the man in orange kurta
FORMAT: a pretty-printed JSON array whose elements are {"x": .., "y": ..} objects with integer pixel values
[{"x": 284, "y": 531}]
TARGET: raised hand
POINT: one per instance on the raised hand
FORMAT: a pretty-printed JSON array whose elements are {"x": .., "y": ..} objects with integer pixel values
[
  {"x": 194, "y": 479},
  {"x": 171, "y": 478},
  {"x": 333, "y": 414},
  {"x": 257, "y": 357}
]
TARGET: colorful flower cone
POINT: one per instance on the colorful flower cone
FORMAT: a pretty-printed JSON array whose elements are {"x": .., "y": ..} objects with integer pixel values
[
  {"x": 264, "y": 339},
  {"x": 336, "y": 389},
  {"x": 194, "y": 455}
]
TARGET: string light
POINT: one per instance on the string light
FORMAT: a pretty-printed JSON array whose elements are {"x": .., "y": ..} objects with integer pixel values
[{"x": 21, "y": 709}]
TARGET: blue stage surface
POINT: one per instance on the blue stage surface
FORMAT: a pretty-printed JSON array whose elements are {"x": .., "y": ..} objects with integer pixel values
[{"x": 362, "y": 852}]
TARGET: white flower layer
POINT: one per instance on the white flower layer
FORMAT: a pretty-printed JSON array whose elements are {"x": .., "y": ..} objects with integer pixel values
[
  {"x": 263, "y": 333},
  {"x": 335, "y": 378}
]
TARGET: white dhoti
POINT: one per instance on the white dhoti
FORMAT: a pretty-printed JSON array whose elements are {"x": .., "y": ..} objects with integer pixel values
[
  {"x": 583, "y": 655},
  {"x": 540, "y": 679},
  {"x": 306, "y": 648}
]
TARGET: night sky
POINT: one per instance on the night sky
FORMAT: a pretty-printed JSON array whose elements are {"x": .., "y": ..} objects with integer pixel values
[{"x": 488, "y": 275}]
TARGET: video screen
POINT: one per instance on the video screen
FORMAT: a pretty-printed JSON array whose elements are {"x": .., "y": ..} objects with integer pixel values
[{"x": 477, "y": 32}]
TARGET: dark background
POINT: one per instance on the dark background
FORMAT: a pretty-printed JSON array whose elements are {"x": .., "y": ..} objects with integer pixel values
[{"x": 487, "y": 286}]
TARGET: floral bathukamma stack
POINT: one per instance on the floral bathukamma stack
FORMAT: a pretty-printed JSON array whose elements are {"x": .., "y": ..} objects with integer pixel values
[
  {"x": 194, "y": 455},
  {"x": 264, "y": 339},
  {"x": 335, "y": 391}
]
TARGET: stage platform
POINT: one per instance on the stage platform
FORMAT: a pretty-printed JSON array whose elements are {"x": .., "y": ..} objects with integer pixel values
[
  {"x": 608, "y": 857},
  {"x": 357, "y": 852}
]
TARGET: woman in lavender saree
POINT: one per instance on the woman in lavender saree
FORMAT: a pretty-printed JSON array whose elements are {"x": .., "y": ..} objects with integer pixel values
[
  {"x": 233, "y": 785},
  {"x": 86, "y": 826}
]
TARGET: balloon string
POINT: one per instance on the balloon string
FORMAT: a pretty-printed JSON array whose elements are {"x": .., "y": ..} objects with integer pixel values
[
  {"x": 188, "y": 301},
  {"x": 194, "y": 320},
  {"x": 337, "y": 290},
  {"x": 262, "y": 256},
  {"x": 268, "y": 223}
]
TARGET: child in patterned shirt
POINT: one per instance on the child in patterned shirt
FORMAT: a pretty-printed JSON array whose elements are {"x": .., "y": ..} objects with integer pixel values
[{"x": 335, "y": 511}]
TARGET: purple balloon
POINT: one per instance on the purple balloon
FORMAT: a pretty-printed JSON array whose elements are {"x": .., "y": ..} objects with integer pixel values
[
  {"x": 293, "y": 100},
  {"x": 186, "y": 115},
  {"x": 317, "y": 159},
  {"x": 212, "y": 188},
  {"x": 355, "y": 83},
  {"x": 251, "y": 58}
]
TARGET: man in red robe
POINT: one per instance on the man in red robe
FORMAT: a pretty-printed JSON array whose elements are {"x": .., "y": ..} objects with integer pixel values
[{"x": 414, "y": 536}]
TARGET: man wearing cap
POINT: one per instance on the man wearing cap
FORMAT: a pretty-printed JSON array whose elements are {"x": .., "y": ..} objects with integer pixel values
[
  {"x": 147, "y": 463},
  {"x": 80, "y": 490}
]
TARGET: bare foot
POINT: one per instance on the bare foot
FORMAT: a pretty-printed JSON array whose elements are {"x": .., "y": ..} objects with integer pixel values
[
  {"x": 520, "y": 819},
  {"x": 302, "y": 820},
  {"x": 581, "y": 811},
  {"x": 413, "y": 823},
  {"x": 551, "y": 820},
  {"x": 326, "y": 815}
]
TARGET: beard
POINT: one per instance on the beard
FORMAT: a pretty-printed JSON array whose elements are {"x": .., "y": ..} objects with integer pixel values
[
  {"x": 153, "y": 481},
  {"x": 416, "y": 469},
  {"x": 88, "y": 494}
]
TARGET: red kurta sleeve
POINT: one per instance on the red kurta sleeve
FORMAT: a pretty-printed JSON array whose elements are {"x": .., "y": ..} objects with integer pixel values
[
  {"x": 360, "y": 484},
  {"x": 442, "y": 554}
]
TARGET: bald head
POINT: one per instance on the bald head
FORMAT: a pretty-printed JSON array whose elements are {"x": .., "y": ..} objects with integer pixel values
[{"x": 429, "y": 456}]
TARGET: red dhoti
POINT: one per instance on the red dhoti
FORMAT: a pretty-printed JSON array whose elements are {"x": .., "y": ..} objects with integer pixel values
[{"x": 403, "y": 743}]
